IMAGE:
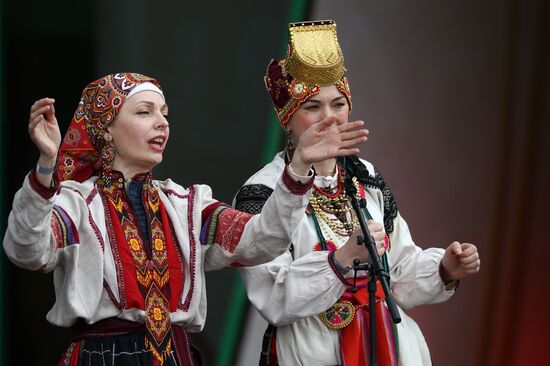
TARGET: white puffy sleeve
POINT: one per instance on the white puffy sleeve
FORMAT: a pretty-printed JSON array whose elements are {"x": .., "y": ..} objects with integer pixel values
[
  {"x": 286, "y": 290},
  {"x": 235, "y": 238},
  {"x": 41, "y": 224},
  {"x": 414, "y": 272}
]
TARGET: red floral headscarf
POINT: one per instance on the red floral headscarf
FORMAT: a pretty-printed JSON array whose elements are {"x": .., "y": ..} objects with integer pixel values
[{"x": 79, "y": 156}]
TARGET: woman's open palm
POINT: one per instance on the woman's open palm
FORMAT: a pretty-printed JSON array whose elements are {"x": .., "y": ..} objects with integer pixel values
[{"x": 326, "y": 139}]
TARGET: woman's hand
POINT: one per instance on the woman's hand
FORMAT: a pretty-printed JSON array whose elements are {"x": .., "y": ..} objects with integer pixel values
[
  {"x": 350, "y": 251},
  {"x": 45, "y": 134},
  {"x": 44, "y": 130},
  {"x": 326, "y": 139},
  {"x": 460, "y": 260}
]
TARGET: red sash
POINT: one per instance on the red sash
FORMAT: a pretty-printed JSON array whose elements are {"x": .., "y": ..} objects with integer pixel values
[{"x": 354, "y": 338}]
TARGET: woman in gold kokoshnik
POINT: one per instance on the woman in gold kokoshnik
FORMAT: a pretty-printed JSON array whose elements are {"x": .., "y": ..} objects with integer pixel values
[{"x": 305, "y": 294}]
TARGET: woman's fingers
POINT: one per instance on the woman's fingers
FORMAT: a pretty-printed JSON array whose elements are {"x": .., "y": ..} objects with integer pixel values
[
  {"x": 38, "y": 112},
  {"x": 37, "y": 115},
  {"x": 39, "y": 108},
  {"x": 377, "y": 231},
  {"x": 325, "y": 124},
  {"x": 43, "y": 128},
  {"x": 352, "y": 142},
  {"x": 51, "y": 112},
  {"x": 466, "y": 259},
  {"x": 347, "y": 152},
  {"x": 350, "y": 125},
  {"x": 331, "y": 138},
  {"x": 41, "y": 103},
  {"x": 351, "y": 136},
  {"x": 348, "y": 135},
  {"x": 473, "y": 266}
]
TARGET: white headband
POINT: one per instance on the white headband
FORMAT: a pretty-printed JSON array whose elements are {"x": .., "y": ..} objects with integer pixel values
[{"x": 144, "y": 87}]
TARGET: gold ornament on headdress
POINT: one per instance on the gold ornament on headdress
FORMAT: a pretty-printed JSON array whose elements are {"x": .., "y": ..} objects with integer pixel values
[{"x": 314, "y": 55}]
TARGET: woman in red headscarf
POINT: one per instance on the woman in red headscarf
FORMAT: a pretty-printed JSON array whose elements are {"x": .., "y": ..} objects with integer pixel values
[
  {"x": 305, "y": 294},
  {"x": 129, "y": 252}
]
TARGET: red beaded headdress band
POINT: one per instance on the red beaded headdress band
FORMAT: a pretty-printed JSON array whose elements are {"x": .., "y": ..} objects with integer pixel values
[
  {"x": 80, "y": 154},
  {"x": 314, "y": 59}
]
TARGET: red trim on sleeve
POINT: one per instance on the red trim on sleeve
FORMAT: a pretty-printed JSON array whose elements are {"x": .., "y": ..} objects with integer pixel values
[
  {"x": 44, "y": 192},
  {"x": 209, "y": 210},
  {"x": 230, "y": 227},
  {"x": 297, "y": 188}
]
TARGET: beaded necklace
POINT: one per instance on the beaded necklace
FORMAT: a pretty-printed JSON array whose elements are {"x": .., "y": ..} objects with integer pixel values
[
  {"x": 324, "y": 204},
  {"x": 321, "y": 203}
]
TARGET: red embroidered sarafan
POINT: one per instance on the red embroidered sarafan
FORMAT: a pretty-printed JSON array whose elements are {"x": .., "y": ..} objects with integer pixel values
[{"x": 146, "y": 278}]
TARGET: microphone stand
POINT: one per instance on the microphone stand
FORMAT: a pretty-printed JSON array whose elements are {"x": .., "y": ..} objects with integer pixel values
[{"x": 374, "y": 269}]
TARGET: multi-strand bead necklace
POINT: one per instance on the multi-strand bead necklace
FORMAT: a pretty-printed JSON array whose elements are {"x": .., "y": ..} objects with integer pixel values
[{"x": 334, "y": 209}]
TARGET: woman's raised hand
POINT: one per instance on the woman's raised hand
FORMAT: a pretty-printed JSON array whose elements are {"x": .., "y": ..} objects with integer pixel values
[
  {"x": 44, "y": 130},
  {"x": 328, "y": 139}
]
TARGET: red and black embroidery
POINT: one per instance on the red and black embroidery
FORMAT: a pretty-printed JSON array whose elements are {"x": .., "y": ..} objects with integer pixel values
[
  {"x": 147, "y": 286},
  {"x": 224, "y": 226}
]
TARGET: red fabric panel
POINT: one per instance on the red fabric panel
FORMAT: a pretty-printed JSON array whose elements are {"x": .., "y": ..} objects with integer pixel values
[
  {"x": 128, "y": 283},
  {"x": 174, "y": 264}
]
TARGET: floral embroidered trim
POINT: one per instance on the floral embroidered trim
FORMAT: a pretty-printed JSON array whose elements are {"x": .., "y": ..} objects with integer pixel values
[
  {"x": 339, "y": 315},
  {"x": 150, "y": 261},
  {"x": 293, "y": 104}
]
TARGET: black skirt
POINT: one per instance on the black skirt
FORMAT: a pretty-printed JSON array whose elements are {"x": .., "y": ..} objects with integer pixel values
[{"x": 120, "y": 343}]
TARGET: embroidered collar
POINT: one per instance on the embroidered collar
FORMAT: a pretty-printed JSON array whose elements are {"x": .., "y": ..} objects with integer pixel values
[{"x": 118, "y": 180}]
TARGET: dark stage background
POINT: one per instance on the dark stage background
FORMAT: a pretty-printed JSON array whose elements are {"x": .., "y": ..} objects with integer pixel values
[{"x": 455, "y": 94}]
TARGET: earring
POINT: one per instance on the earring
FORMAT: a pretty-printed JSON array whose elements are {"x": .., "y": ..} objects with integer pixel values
[
  {"x": 108, "y": 154},
  {"x": 289, "y": 143}
]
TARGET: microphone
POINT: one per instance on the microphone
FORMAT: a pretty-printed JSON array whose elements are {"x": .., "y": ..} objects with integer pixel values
[{"x": 354, "y": 167}]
